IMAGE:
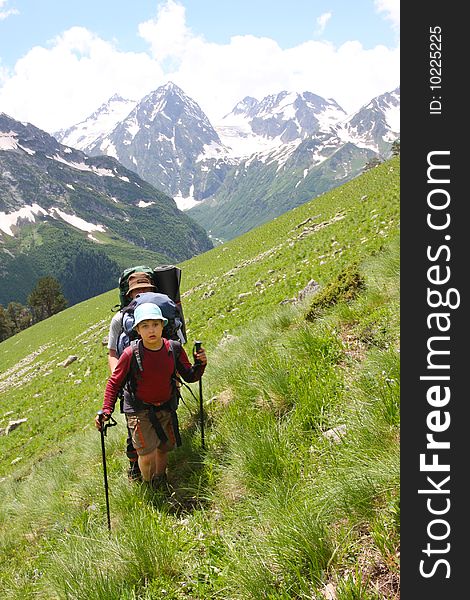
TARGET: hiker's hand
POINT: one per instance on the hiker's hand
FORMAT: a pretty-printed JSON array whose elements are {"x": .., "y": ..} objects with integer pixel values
[
  {"x": 100, "y": 417},
  {"x": 201, "y": 357}
]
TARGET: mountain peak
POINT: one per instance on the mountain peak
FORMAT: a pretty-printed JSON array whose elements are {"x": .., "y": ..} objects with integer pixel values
[
  {"x": 169, "y": 88},
  {"x": 280, "y": 118},
  {"x": 376, "y": 124},
  {"x": 169, "y": 85},
  {"x": 168, "y": 140},
  {"x": 168, "y": 92},
  {"x": 98, "y": 124},
  {"x": 244, "y": 106},
  {"x": 118, "y": 98}
]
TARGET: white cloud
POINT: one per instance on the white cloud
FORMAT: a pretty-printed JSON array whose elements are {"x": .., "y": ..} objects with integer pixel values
[
  {"x": 258, "y": 67},
  {"x": 62, "y": 84},
  {"x": 322, "y": 20},
  {"x": 167, "y": 34},
  {"x": 359, "y": 74},
  {"x": 6, "y": 12},
  {"x": 391, "y": 8}
]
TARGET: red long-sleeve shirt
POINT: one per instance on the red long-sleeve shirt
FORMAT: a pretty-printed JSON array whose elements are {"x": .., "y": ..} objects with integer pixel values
[{"x": 154, "y": 384}]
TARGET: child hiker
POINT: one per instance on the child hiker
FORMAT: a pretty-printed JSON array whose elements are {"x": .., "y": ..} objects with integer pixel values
[
  {"x": 150, "y": 394},
  {"x": 139, "y": 282}
]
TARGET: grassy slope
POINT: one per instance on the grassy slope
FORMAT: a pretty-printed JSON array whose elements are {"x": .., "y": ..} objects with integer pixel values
[{"x": 267, "y": 391}]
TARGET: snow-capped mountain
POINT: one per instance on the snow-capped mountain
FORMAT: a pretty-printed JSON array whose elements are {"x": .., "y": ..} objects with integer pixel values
[
  {"x": 376, "y": 125},
  {"x": 89, "y": 209},
  {"x": 98, "y": 125},
  {"x": 276, "y": 120},
  {"x": 170, "y": 142},
  {"x": 276, "y": 179},
  {"x": 280, "y": 123}
]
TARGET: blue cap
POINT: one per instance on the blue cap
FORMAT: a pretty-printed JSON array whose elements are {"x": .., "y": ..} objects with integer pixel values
[{"x": 148, "y": 310}]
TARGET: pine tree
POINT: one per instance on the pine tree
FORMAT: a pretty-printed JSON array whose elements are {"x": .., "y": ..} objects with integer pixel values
[
  {"x": 6, "y": 329},
  {"x": 20, "y": 316},
  {"x": 46, "y": 299}
]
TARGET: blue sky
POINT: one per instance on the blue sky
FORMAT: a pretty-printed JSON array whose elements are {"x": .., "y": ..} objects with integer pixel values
[
  {"x": 38, "y": 21},
  {"x": 60, "y": 59}
]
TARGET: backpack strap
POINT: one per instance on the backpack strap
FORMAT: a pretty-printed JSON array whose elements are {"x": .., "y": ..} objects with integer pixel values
[
  {"x": 135, "y": 369},
  {"x": 153, "y": 418},
  {"x": 136, "y": 346}
]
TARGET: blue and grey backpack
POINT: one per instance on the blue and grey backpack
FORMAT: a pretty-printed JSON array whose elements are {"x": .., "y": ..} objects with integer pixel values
[
  {"x": 167, "y": 279},
  {"x": 173, "y": 330}
]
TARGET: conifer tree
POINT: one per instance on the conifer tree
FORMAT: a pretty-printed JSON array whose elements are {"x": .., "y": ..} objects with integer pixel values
[
  {"x": 5, "y": 324},
  {"x": 46, "y": 299},
  {"x": 19, "y": 315}
]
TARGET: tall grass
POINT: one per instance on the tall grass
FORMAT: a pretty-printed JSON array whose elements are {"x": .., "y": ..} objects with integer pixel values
[{"x": 296, "y": 492}]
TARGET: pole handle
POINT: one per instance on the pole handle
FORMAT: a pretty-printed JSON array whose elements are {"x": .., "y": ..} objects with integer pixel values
[
  {"x": 110, "y": 422},
  {"x": 197, "y": 347}
]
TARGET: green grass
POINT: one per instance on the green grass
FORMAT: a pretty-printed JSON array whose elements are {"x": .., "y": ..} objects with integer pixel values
[{"x": 275, "y": 507}]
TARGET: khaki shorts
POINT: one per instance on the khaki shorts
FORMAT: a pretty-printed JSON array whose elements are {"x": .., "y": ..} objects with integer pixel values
[{"x": 144, "y": 436}]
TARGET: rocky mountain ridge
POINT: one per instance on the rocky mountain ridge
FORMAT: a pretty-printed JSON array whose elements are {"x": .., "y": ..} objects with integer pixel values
[{"x": 170, "y": 142}]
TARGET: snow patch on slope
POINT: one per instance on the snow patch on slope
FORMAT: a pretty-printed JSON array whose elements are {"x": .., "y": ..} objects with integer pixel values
[{"x": 30, "y": 212}]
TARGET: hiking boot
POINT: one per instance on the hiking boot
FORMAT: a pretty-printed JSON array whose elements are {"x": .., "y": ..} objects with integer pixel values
[{"x": 133, "y": 472}]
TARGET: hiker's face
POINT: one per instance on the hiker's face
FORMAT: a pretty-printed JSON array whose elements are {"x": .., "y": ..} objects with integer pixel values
[
  {"x": 137, "y": 291},
  {"x": 150, "y": 331}
]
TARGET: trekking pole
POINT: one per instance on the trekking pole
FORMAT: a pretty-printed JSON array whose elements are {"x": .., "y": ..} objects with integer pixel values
[
  {"x": 104, "y": 427},
  {"x": 197, "y": 346}
]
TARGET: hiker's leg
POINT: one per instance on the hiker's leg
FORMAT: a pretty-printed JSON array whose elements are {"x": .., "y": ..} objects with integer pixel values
[
  {"x": 148, "y": 465},
  {"x": 144, "y": 443},
  {"x": 161, "y": 462},
  {"x": 134, "y": 471},
  {"x": 153, "y": 461},
  {"x": 130, "y": 450}
]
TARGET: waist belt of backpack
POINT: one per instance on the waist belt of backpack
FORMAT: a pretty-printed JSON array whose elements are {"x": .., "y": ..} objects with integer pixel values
[{"x": 153, "y": 409}]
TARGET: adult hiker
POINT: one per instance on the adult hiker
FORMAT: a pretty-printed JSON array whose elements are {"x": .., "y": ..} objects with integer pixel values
[
  {"x": 139, "y": 282},
  {"x": 147, "y": 370}
]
